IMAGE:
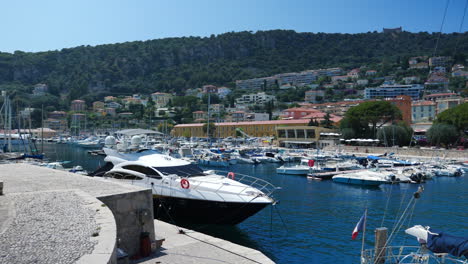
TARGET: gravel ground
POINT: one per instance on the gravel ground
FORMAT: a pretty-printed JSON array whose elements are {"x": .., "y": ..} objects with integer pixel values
[{"x": 49, "y": 227}]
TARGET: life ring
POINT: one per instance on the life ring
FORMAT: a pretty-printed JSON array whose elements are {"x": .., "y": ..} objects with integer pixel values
[
  {"x": 184, "y": 183},
  {"x": 231, "y": 175}
]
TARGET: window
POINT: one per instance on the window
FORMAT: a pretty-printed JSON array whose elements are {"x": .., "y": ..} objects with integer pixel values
[
  {"x": 142, "y": 169},
  {"x": 188, "y": 170},
  {"x": 281, "y": 133},
  {"x": 300, "y": 133},
  {"x": 291, "y": 133},
  {"x": 310, "y": 133}
]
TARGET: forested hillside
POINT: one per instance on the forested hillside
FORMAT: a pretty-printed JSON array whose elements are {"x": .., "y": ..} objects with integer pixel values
[{"x": 175, "y": 64}]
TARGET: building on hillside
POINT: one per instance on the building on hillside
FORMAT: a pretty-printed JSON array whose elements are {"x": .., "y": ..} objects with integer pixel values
[
  {"x": 209, "y": 89},
  {"x": 113, "y": 104},
  {"x": 442, "y": 61},
  {"x": 287, "y": 87},
  {"x": 301, "y": 136},
  {"x": 423, "y": 111},
  {"x": 40, "y": 89},
  {"x": 161, "y": 99},
  {"x": 437, "y": 81},
  {"x": 257, "y": 99},
  {"x": 228, "y": 129},
  {"x": 164, "y": 112},
  {"x": 371, "y": 72},
  {"x": 110, "y": 99},
  {"x": 216, "y": 108},
  {"x": 305, "y": 78},
  {"x": 194, "y": 92},
  {"x": 223, "y": 92},
  {"x": 199, "y": 115},
  {"x": 128, "y": 100},
  {"x": 286, "y": 78},
  {"x": 393, "y": 30},
  {"x": 416, "y": 60},
  {"x": 57, "y": 115},
  {"x": 110, "y": 111},
  {"x": 125, "y": 115},
  {"x": 411, "y": 79},
  {"x": 238, "y": 116},
  {"x": 403, "y": 102},
  {"x": 314, "y": 96},
  {"x": 447, "y": 103},
  {"x": 460, "y": 73},
  {"x": 354, "y": 73},
  {"x": 77, "y": 117},
  {"x": 438, "y": 96},
  {"x": 26, "y": 112},
  {"x": 98, "y": 105},
  {"x": 56, "y": 124},
  {"x": 362, "y": 82},
  {"x": 78, "y": 105},
  {"x": 392, "y": 91},
  {"x": 256, "y": 83},
  {"x": 420, "y": 65},
  {"x": 439, "y": 69},
  {"x": 342, "y": 78}
]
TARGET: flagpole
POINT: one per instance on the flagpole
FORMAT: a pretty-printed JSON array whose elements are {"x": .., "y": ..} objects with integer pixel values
[{"x": 364, "y": 234}]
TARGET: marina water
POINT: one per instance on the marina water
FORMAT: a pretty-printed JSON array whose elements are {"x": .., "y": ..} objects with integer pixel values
[{"x": 314, "y": 219}]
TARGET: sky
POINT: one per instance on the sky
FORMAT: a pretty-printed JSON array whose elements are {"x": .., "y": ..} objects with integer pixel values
[{"x": 33, "y": 25}]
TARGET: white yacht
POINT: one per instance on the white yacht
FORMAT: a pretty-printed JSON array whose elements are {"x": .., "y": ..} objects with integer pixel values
[
  {"x": 185, "y": 193},
  {"x": 300, "y": 169}
]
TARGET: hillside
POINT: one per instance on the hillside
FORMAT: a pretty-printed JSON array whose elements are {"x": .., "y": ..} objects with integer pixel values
[{"x": 175, "y": 64}]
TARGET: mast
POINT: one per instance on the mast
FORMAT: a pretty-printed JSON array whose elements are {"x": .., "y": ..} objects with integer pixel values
[
  {"x": 208, "y": 118},
  {"x": 42, "y": 129}
]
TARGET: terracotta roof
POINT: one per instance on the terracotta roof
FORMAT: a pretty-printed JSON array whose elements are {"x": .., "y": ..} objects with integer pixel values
[
  {"x": 270, "y": 122},
  {"x": 440, "y": 94}
]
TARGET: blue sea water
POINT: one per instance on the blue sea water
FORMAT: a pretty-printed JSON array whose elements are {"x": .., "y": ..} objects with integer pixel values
[{"x": 314, "y": 220}]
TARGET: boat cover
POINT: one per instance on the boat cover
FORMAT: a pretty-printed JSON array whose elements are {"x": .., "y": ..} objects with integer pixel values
[{"x": 441, "y": 242}]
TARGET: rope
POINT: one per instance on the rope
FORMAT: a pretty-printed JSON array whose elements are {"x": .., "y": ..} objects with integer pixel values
[
  {"x": 232, "y": 252},
  {"x": 441, "y": 26},
  {"x": 386, "y": 206},
  {"x": 460, "y": 28}
]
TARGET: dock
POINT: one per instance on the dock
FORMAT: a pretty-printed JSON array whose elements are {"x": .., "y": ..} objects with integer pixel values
[
  {"x": 192, "y": 247},
  {"x": 53, "y": 216}
]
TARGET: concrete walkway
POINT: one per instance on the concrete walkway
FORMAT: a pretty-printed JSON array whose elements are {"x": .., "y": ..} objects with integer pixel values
[{"x": 194, "y": 247}]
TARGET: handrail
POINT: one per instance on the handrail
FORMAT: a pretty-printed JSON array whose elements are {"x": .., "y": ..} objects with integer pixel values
[{"x": 400, "y": 254}]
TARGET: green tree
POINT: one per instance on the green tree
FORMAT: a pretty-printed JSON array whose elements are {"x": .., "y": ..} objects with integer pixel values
[
  {"x": 366, "y": 117},
  {"x": 457, "y": 116},
  {"x": 394, "y": 135},
  {"x": 326, "y": 122},
  {"x": 442, "y": 134}
]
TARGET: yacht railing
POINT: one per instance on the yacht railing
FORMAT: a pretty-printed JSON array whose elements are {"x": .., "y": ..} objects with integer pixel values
[
  {"x": 260, "y": 184},
  {"x": 408, "y": 254}
]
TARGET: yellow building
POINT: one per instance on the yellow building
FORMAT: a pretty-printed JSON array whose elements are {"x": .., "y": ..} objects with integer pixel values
[
  {"x": 305, "y": 136},
  {"x": 228, "y": 129}
]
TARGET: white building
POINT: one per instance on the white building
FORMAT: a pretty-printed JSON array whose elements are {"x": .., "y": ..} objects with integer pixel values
[
  {"x": 258, "y": 98},
  {"x": 423, "y": 111},
  {"x": 223, "y": 92},
  {"x": 40, "y": 89},
  {"x": 255, "y": 84},
  {"x": 161, "y": 99},
  {"x": 311, "y": 96}
]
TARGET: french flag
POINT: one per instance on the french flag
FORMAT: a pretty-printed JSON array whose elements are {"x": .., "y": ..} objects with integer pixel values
[{"x": 360, "y": 225}]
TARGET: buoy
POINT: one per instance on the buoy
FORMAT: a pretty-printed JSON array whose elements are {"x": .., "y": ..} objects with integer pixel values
[
  {"x": 231, "y": 175},
  {"x": 184, "y": 183}
]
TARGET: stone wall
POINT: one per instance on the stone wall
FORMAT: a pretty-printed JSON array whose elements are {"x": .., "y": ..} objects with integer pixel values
[{"x": 133, "y": 213}]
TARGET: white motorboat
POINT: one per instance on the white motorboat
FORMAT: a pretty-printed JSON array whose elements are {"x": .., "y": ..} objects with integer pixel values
[
  {"x": 300, "y": 169},
  {"x": 184, "y": 192},
  {"x": 366, "y": 178}
]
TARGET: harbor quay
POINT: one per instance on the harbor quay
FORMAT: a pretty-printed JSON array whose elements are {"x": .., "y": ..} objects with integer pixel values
[{"x": 52, "y": 216}]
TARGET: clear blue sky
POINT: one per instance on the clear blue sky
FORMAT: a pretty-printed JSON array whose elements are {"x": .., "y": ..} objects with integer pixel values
[{"x": 33, "y": 25}]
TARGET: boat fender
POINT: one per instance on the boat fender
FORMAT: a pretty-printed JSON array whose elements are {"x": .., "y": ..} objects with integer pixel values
[
  {"x": 231, "y": 175},
  {"x": 184, "y": 183}
]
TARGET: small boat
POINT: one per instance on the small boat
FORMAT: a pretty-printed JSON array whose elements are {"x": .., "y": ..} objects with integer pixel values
[
  {"x": 365, "y": 178},
  {"x": 300, "y": 169}
]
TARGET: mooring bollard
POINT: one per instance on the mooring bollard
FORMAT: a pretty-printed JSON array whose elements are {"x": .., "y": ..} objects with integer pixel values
[{"x": 380, "y": 245}]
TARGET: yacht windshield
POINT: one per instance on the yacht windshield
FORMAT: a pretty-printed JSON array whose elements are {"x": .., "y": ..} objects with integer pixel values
[{"x": 189, "y": 170}]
